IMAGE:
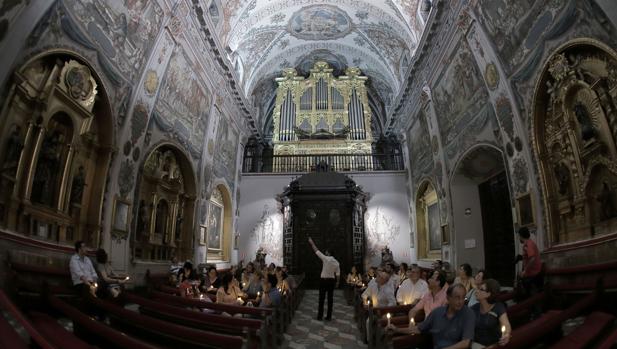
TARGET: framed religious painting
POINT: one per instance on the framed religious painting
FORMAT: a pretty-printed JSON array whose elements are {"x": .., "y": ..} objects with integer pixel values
[
  {"x": 120, "y": 218},
  {"x": 434, "y": 226},
  {"x": 524, "y": 209},
  {"x": 215, "y": 227}
]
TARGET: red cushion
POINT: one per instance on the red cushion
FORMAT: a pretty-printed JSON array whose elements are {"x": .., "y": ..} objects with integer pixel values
[
  {"x": 55, "y": 333},
  {"x": 609, "y": 342}
]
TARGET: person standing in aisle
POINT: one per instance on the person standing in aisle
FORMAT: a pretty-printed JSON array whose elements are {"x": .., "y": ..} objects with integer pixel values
[{"x": 330, "y": 273}]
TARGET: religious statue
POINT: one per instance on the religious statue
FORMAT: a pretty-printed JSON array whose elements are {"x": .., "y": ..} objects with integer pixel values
[
  {"x": 260, "y": 257},
  {"x": 563, "y": 178},
  {"x": 587, "y": 130},
  {"x": 143, "y": 220},
  {"x": 77, "y": 188},
  {"x": 47, "y": 169},
  {"x": 607, "y": 208},
  {"x": 386, "y": 256},
  {"x": 14, "y": 145}
]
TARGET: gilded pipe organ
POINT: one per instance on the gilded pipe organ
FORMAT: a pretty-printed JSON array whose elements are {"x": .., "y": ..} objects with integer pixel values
[{"x": 322, "y": 114}]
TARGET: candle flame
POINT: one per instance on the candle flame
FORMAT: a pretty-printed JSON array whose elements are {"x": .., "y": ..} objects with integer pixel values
[
  {"x": 503, "y": 329},
  {"x": 388, "y": 315}
]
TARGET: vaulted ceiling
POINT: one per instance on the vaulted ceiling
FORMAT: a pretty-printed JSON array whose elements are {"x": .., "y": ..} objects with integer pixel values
[{"x": 263, "y": 37}]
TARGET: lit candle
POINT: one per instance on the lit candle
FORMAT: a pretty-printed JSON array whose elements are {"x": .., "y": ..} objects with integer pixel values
[
  {"x": 127, "y": 278},
  {"x": 368, "y": 302},
  {"x": 96, "y": 285},
  {"x": 412, "y": 322},
  {"x": 240, "y": 300},
  {"x": 211, "y": 287},
  {"x": 503, "y": 331},
  {"x": 201, "y": 296},
  {"x": 388, "y": 316},
  {"x": 244, "y": 284},
  {"x": 405, "y": 303},
  {"x": 258, "y": 293}
]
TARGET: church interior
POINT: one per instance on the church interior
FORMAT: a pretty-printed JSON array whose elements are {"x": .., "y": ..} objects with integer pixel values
[{"x": 185, "y": 173}]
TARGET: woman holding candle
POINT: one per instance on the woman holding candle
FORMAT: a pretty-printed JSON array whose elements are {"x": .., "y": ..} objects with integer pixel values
[
  {"x": 229, "y": 292},
  {"x": 492, "y": 324}
]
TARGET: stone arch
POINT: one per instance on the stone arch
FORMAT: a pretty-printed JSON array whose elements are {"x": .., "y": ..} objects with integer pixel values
[
  {"x": 220, "y": 208},
  {"x": 483, "y": 233},
  {"x": 577, "y": 88},
  {"x": 428, "y": 221},
  {"x": 55, "y": 90},
  {"x": 167, "y": 185}
]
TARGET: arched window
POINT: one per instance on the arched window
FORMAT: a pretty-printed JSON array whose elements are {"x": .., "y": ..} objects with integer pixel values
[{"x": 213, "y": 10}]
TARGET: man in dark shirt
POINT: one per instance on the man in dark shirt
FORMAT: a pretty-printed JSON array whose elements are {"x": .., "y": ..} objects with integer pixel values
[{"x": 451, "y": 326}]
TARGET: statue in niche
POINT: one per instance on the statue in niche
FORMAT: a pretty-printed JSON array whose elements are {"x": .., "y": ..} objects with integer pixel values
[
  {"x": 47, "y": 169},
  {"x": 14, "y": 145},
  {"x": 582, "y": 116},
  {"x": 386, "y": 256},
  {"x": 607, "y": 208},
  {"x": 179, "y": 220},
  {"x": 143, "y": 220},
  {"x": 77, "y": 188},
  {"x": 562, "y": 173}
]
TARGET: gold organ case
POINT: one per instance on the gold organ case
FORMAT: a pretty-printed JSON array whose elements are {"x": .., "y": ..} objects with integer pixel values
[{"x": 322, "y": 114}]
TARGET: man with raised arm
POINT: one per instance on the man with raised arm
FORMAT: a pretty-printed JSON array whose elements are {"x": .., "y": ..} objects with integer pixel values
[{"x": 330, "y": 273}]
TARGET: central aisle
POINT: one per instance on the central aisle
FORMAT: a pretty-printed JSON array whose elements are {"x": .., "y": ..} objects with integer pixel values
[{"x": 306, "y": 332}]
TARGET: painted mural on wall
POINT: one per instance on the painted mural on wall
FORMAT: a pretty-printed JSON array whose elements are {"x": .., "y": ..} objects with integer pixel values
[
  {"x": 183, "y": 105},
  {"x": 268, "y": 235},
  {"x": 381, "y": 231},
  {"x": 123, "y": 31},
  {"x": 459, "y": 92},
  {"x": 319, "y": 22},
  {"x": 421, "y": 160},
  {"x": 226, "y": 151},
  {"x": 9, "y": 11}
]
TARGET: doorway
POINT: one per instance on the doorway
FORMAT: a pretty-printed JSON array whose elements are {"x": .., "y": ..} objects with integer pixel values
[{"x": 482, "y": 214}]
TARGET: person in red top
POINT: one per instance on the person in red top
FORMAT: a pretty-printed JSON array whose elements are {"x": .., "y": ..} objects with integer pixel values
[{"x": 531, "y": 277}]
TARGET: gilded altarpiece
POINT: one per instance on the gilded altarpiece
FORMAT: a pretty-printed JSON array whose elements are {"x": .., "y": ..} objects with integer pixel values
[
  {"x": 575, "y": 129},
  {"x": 55, "y": 131},
  {"x": 322, "y": 114},
  {"x": 165, "y": 209}
]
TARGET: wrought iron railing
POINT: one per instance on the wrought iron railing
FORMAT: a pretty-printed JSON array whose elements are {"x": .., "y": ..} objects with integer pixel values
[{"x": 323, "y": 162}]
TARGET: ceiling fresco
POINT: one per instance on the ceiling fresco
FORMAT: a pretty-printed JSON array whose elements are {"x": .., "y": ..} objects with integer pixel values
[{"x": 263, "y": 37}]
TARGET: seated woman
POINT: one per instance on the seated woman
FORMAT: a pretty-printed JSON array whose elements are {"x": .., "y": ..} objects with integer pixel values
[
  {"x": 271, "y": 269},
  {"x": 110, "y": 282},
  {"x": 371, "y": 273},
  {"x": 247, "y": 273},
  {"x": 254, "y": 285},
  {"x": 211, "y": 282},
  {"x": 271, "y": 296},
  {"x": 402, "y": 273},
  {"x": 464, "y": 277},
  {"x": 492, "y": 324},
  {"x": 188, "y": 280},
  {"x": 353, "y": 278},
  {"x": 229, "y": 292},
  {"x": 281, "y": 281},
  {"x": 472, "y": 294}
]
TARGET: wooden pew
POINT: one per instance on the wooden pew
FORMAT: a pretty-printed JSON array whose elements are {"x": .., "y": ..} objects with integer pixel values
[
  {"x": 267, "y": 314},
  {"x": 583, "y": 277},
  {"x": 609, "y": 342},
  {"x": 95, "y": 330},
  {"x": 7, "y": 305},
  {"x": 377, "y": 322},
  {"x": 56, "y": 334},
  {"x": 585, "y": 334},
  {"x": 257, "y": 331},
  {"x": 545, "y": 327},
  {"x": 28, "y": 279},
  {"x": 9, "y": 339},
  {"x": 165, "y": 332}
]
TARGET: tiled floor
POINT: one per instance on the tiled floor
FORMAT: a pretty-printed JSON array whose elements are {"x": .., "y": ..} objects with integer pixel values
[{"x": 306, "y": 332}]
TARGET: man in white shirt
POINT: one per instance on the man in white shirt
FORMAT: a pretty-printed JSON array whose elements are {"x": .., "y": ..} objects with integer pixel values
[
  {"x": 330, "y": 273},
  {"x": 380, "y": 291},
  {"x": 413, "y": 288},
  {"x": 82, "y": 272}
]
